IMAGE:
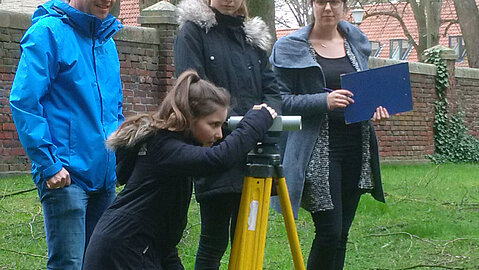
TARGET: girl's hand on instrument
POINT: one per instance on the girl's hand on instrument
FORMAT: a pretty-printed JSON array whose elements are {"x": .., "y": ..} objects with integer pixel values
[{"x": 271, "y": 110}]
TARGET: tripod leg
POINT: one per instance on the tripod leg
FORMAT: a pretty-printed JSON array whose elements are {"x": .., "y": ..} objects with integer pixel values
[
  {"x": 288, "y": 218},
  {"x": 250, "y": 233}
]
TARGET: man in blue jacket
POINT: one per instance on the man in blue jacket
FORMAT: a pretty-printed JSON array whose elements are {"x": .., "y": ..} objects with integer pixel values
[{"x": 65, "y": 100}]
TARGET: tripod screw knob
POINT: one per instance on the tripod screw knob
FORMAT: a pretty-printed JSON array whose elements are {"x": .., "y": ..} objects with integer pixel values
[{"x": 260, "y": 150}]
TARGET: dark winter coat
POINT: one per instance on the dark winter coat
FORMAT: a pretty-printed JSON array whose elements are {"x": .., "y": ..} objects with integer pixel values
[
  {"x": 301, "y": 79},
  {"x": 154, "y": 203},
  {"x": 231, "y": 54}
]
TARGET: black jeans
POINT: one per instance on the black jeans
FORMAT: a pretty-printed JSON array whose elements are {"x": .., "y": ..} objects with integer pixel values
[
  {"x": 136, "y": 253},
  {"x": 218, "y": 221},
  {"x": 332, "y": 226}
]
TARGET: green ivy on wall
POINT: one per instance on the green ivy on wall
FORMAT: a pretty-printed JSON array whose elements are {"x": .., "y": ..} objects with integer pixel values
[{"x": 451, "y": 140}]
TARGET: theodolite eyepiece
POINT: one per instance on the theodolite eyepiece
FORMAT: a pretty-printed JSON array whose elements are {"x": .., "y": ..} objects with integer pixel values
[{"x": 280, "y": 123}]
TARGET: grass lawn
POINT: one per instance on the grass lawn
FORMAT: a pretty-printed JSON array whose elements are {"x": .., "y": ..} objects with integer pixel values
[{"x": 430, "y": 221}]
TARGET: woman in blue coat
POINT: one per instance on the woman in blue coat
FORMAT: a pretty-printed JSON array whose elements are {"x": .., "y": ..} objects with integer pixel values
[{"x": 327, "y": 164}]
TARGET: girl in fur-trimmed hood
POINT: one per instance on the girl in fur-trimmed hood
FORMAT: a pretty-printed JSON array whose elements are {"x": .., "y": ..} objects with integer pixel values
[{"x": 218, "y": 40}]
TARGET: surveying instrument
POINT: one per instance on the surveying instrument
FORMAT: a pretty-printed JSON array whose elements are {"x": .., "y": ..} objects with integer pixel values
[{"x": 263, "y": 171}]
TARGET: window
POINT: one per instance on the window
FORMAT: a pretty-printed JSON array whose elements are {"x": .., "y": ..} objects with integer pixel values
[
  {"x": 399, "y": 49},
  {"x": 457, "y": 44},
  {"x": 375, "y": 48}
]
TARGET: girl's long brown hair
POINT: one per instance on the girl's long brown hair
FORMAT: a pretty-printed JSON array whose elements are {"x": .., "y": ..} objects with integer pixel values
[{"x": 190, "y": 98}]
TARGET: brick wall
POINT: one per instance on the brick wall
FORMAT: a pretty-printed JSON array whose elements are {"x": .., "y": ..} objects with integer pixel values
[
  {"x": 12, "y": 156},
  {"x": 409, "y": 136},
  {"x": 467, "y": 91},
  {"x": 146, "y": 60}
]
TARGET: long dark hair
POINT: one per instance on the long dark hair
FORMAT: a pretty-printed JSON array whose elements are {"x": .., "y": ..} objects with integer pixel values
[{"x": 190, "y": 98}]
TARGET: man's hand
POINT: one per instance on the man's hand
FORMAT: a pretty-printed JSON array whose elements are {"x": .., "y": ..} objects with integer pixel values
[{"x": 59, "y": 180}]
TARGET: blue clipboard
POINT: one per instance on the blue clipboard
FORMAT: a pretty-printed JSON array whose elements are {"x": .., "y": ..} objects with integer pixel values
[{"x": 387, "y": 86}]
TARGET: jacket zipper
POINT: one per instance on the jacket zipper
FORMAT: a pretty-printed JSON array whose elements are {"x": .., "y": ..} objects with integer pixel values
[{"x": 100, "y": 97}]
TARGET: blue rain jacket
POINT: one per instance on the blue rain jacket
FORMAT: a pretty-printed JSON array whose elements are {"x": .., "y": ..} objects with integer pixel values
[{"x": 66, "y": 95}]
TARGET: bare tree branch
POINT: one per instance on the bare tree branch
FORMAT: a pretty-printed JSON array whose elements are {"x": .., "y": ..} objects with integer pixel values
[
  {"x": 399, "y": 19},
  {"x": 450, "y": 23}
]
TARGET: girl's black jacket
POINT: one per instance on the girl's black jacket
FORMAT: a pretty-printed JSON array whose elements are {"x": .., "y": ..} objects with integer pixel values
[
  {"x": 155, "y": 200},
  {"x": 232, "y": 53}
]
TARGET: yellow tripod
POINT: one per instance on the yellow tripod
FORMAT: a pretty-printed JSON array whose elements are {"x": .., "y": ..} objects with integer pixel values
[{"x": 264, "y": 169}]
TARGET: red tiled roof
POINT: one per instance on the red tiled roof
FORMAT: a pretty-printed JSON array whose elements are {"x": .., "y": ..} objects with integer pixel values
[
  {"x": 383, "y": 28},
  {"x": 284, "y": 32},
  {"x": 129, "y": 12}
]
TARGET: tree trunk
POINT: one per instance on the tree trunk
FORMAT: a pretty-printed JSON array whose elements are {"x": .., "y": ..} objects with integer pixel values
[
  {"x": 115, "y": 9},
  {"x": 433, "y": 13},
  {"x": 468, "y": 15},
  {"x": 422, "y": 30},
  {"x": 265, "y": 10}
]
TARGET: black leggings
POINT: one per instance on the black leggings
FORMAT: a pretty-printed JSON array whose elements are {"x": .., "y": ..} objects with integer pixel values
[
  {"x": 329, "y": 245},
  {"x": 332, "y": 226},
  {"x": 218, "y": 221}
]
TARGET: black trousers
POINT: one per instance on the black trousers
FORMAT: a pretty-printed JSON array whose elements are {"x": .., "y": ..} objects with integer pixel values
[
  {"x": 132, "y": 253},
  {"x": 332, "y": 226},
  {"x": 218, "y": 221}
]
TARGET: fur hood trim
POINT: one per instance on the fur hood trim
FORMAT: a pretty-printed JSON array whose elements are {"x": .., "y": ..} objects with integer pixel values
[
  {"x": 131, "y": 133},
  {"x": 198, "y": 12},
  {"x": 257, "y": 33}
]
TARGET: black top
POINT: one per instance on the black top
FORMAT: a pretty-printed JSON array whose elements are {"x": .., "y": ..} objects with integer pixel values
[
  {"x": 154, "y": 202},
  {"x": 333, "y": 68},
  {"x": 340, "y": 134}
]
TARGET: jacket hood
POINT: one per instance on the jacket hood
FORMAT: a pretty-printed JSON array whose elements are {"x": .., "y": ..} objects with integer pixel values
[
  {"x": 128, "y": 142},
  {"x": 86, "y": 24},
  {"x": 132, "y": 133},
  {"x": 197, "y": 11},
  {"x": 282, "y": 56}
]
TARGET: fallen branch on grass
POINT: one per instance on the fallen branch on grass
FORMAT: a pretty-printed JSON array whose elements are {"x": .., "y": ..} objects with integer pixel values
[
  {"x": 454, "y": 240},
  {"x": 411, "y": 236},
  {"x": 18, "y": 192},
  {"x": 461, "y": 205},
  {"x": 24, "y": 253},
  {"x": 30, "y": 224},
  {"x": 186, "y": 232},
  {"x": 421, "y": 266}
]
